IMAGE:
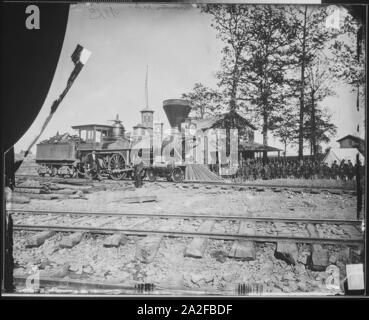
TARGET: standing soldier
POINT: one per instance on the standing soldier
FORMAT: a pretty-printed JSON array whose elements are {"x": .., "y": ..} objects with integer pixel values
[
  {"x": 308, "y": 170},
  {"x": 95, "y": 165},
  {"x": 321, "y": 170},
  {"x": 345, "y": 171},
  {"x": 257, "y": 170},
  {"x": 276, "y": 170},
  {"x": 351, "y": 170},
  {"x": 138, "y": 168},
  {"x": 289, "y": 169},
  {"x": 247, "y": 169},
  {"x": 279, "y": 170},
  {"x": 267, "y": 170},
  {"x": 301, "y": 169},
  {"x": 326, "y": 169},
  {"x": 311, "y": 169},
  {"x": 272, "y": 170},
  {"x": 261, "y": 170},
  {"x": 334, "y": 170},
  {"x": 254, "y": 170},
  {"x": 243, "y": 171},
  {"x": 284, "y": 170},
  {"x": 342, "y": 170},
  {"x": 297, "y": 170},
  {"x": 294, "y": 169}
]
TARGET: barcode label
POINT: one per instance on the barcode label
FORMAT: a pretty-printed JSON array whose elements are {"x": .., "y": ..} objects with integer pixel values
[
  {"x": 250, "y": 288},
  {"x": 144, "y": 287}
]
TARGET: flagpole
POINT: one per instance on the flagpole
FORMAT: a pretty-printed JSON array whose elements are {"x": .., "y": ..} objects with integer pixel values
[
  {"x": 79, "y": 58},
  {"x": 147, "y": 87}
]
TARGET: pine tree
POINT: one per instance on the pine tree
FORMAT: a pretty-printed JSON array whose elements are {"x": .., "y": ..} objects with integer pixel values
[
  {"x": 265, "y": 63},
  {"x": 286, "y": 126},
  {"x": 319, "y": 85},
  {"x": 322, "y": 129},
  {"x": 312, "y": 37},
  {"x": 348, "y": 55},
  {"x": 232, "y": 23}
]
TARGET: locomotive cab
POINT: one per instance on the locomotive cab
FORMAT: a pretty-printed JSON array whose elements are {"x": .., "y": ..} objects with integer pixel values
[
  {"x": 110, "y": 146},
  {"x": 93, "y": 136}
]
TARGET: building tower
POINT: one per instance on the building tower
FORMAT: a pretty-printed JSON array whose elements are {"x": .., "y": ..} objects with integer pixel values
[
  {"x": 147, "y": 118},
  {"x": 147, "y": 115}
]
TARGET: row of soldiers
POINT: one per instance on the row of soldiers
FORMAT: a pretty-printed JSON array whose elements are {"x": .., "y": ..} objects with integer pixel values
[{"x": 303, "y": 169}]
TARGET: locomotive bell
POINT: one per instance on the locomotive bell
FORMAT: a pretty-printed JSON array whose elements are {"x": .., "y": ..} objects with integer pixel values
[{"x": 118, "y": 129}]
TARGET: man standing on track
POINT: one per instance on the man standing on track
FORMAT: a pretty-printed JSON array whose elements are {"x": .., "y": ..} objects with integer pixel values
[
  {"x": 96, "y": 166},
  {"x": 138, "y": 168}
]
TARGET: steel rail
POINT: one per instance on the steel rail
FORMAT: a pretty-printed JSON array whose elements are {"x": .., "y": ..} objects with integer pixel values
[
  {"x": 187, "y": 216},
  {"x": 170, "y": 233},
  {"x": 215, "y": 183},
  {"x": 265, "y": 185}
]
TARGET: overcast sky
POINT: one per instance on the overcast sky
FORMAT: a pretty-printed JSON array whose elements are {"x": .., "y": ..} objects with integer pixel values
[{"x": 178, "y": 44}]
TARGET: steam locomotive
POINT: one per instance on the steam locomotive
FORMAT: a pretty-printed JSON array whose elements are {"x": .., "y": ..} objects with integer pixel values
[{"x": 107, "y": 147}]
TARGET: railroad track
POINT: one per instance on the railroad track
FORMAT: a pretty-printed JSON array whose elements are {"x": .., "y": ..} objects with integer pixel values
[
  {"x": 181, "y": 216},
  {"x": 257, "y": 186},
  {"x": 209, "y": 235},
  {"x": 232, "y": 230},
  {"x": 259, "y": 229}
]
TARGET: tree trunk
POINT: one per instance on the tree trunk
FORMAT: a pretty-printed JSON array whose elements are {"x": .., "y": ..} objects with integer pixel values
[
  {"x": 302, "y": 89},
  {"x": 202, "y": 111},
  {"x": 265, "y": 135},
  {"x": 313, "y": 125},
  {"x": 232, "y": 102}
]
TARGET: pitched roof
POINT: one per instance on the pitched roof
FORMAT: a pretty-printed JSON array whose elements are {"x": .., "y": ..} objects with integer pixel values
[
  {"x": 349, "y": 136},
  {"x": 254, "y": 146},
  {"x": 224, "y": 120},
  {"x": 93, "y": 126}
]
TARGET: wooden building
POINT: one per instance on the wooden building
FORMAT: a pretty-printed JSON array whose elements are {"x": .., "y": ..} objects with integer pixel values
[
  {"x": 351, "y": 141},
  {"x": 247, "y": 147}
]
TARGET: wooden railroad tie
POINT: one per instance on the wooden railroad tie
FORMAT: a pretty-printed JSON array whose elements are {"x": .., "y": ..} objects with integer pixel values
[
  {"x": 244, "y": 249},
  {"x": 197, "y": 246}
]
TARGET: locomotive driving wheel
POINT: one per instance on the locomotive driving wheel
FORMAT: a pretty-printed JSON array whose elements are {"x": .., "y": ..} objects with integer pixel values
[
  {"x": 116, "y": 165},
  {"x": 151, "y": 175},
  {"x": 89, "y": 170},
  {"x": 177, "y": 175}
]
